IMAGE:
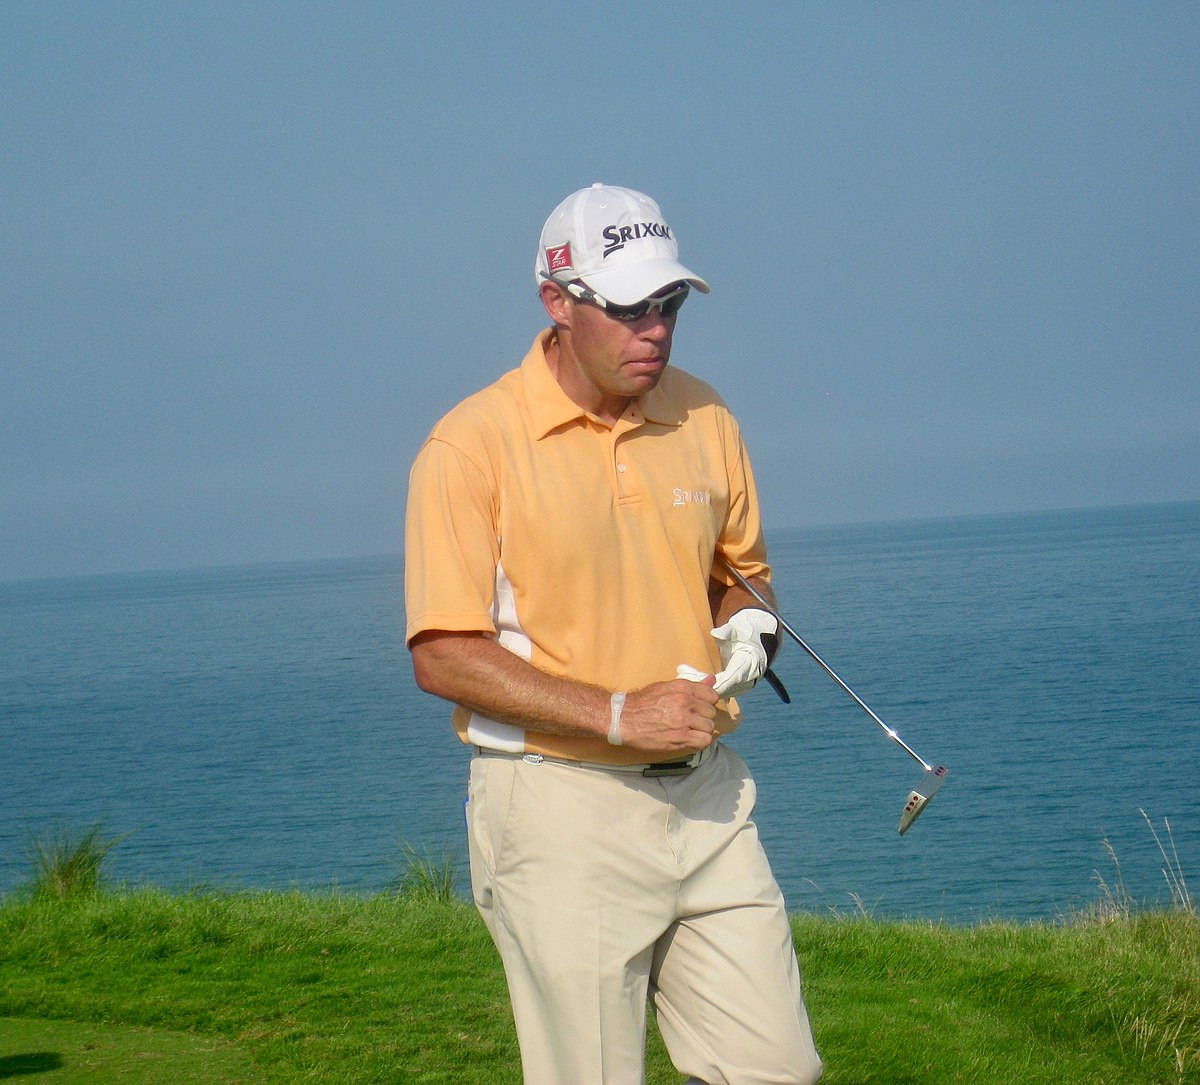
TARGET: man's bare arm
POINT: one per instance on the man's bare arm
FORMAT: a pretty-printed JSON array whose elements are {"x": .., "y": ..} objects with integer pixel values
[
  {"x": 471, "y": 669},
  {"x": 727, "y": 599}
]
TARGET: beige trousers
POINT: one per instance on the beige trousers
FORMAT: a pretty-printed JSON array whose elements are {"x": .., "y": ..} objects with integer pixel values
[{"x": 603, "y": 888}]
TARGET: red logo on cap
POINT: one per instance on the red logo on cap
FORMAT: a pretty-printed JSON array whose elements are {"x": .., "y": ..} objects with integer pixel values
[{"x": 558, "y": 257}]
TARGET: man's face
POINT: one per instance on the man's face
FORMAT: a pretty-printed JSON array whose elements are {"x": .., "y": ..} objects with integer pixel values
[{"x": 605, "y": 362}]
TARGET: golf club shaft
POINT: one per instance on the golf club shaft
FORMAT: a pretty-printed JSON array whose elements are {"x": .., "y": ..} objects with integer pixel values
[{"x": 771, "y": 609}]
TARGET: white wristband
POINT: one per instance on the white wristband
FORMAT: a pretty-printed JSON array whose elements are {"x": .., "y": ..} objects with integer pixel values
[{"x": 616, "y": 704}]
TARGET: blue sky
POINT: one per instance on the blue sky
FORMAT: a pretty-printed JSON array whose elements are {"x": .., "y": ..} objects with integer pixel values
[{"x": 251, "y": 252}]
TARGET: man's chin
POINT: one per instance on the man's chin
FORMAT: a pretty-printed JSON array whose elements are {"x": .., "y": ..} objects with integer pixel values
[{"x": 645, "y": 375}]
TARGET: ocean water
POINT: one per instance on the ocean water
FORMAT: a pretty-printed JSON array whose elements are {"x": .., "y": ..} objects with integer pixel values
[{"x": 259, "y": 727}]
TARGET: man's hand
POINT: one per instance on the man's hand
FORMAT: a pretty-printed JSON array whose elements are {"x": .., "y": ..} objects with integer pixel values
[
  {"x": 748, "y": 641},
  {"x": 674, "y": 717}
]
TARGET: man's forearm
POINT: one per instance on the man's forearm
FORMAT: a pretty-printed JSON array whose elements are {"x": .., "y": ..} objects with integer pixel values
[
  {"x": 470, "y": 669},
  {"x": 727, "y": 599},
  {"x": 478, "y": 673}
]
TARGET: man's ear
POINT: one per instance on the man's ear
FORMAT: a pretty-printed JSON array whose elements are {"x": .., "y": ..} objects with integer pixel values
[{"x": 557, "y": 304}]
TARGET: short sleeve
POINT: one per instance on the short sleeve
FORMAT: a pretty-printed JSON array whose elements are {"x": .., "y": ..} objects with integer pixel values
[
  {"x": 741, "y": 541},
  {"x": 451, "y": 546}
]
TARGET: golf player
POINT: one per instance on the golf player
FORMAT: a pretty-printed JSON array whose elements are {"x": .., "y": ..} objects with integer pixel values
[{"x": 567, "y": 534}]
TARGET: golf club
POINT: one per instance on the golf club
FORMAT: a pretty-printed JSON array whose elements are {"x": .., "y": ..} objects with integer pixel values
[{"x": 934, "y": 775}]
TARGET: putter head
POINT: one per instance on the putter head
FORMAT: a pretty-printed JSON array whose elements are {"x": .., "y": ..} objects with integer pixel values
[{"x": 919, "y": 797}]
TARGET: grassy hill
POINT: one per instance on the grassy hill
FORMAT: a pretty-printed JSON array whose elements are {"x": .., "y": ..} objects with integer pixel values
[{"x": 147, "y": 986}]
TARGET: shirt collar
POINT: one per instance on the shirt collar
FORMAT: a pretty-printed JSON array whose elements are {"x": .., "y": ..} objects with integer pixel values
[{"x": 551, "y": 407}]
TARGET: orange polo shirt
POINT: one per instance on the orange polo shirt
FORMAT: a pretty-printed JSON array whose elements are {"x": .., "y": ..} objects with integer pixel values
[{"x": 583, "y": 549}]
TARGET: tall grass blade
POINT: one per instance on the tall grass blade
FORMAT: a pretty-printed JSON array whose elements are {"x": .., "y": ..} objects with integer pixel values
[
  {"x": 66, "y": 867},
  {"x": 425, "y": 878},
  {"x": 1172, "y": 871}
]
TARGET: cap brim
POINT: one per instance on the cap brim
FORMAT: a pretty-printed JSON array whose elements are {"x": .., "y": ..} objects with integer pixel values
[{"x": 629, "y": 285}]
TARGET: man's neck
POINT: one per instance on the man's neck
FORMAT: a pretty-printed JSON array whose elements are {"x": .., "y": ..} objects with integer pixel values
[{"x": 560, "y": 359}]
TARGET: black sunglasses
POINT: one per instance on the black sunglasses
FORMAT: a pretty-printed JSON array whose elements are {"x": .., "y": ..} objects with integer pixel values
[{"x": 667, "y": 301}]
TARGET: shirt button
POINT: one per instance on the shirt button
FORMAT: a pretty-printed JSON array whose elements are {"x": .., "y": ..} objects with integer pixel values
[{"x": 621, "y": 468}]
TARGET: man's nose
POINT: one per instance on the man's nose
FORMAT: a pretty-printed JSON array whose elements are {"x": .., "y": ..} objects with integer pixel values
[{"x": 655, "y": 326}]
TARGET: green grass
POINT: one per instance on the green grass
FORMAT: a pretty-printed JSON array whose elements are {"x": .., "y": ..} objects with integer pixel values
[
  {"x": 70, "y": 1051},
  {"x": 70, "y": 866},
  {"x": 144, "y": 986},
  {"x": 1117, "y": 1001},
  {"x": 426, "y": 878},
  {"x": 406, "y": 987}
]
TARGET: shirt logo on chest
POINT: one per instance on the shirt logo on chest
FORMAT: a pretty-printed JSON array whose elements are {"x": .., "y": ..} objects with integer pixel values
[{"x": 682, "y": 497}]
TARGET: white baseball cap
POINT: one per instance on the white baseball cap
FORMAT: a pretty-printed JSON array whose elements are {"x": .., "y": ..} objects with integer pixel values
[{"x": 615, "y": 240}]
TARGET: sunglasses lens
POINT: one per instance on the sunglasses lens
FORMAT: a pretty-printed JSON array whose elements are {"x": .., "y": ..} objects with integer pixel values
[
  {"x": 674, "y": 303},
  {"x": 668, "y": 304}
]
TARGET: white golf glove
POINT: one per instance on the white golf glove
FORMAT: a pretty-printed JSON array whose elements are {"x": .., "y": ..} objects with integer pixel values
[{"x": 748, "y": 643}]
